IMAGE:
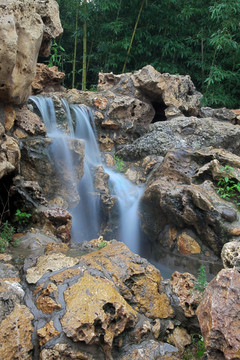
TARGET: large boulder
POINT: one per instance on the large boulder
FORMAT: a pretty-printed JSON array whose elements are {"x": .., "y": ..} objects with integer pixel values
[
  {"x": 184, "y": 132},
  {"x": 26, "y": 28},
  {"x": 181, "y": 208},
  {"x": 219, "y": 316}
]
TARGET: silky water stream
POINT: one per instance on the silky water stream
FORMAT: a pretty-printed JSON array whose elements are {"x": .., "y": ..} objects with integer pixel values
[{"x": 86, "y": 215}]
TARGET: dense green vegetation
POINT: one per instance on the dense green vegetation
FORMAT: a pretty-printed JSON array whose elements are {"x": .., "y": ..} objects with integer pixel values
[{"x": 195, "y": 37}]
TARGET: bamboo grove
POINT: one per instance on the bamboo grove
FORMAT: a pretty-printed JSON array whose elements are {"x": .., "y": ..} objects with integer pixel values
[{"x": 196, "y": 37}]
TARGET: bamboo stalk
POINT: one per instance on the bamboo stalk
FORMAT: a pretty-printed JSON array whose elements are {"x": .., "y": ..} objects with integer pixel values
[
  {"x": 133, "y": 35},
  {"x": 75, "y": 47},
  {"x": 84, "y": 73}
]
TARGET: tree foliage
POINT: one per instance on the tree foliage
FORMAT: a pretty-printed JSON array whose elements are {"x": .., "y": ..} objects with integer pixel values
[{"x": 196, "y": 37}]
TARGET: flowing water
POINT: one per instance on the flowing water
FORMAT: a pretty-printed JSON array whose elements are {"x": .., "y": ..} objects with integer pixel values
[{"x": 86, "y": 216}]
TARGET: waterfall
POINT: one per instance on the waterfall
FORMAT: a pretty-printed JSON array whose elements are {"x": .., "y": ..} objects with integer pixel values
[{"x": 86, "y": 215}]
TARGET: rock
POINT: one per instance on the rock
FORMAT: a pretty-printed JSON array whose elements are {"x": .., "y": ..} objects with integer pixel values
[
  {"x": 9, "y": 155},
  {"x": 187, "y": 245},
  {"x": 11, "y": 293},
  {"x": 27, "y": 28},
  {"x": 182, "y": 285},
  {"x": 29, "y": 122},
  {"x": 16, "y": 334},
  {"x": 181, "y": 192},
  {"x": 52, "y": 247},
  {"x": 28, "y": 193},
  {"x": 231, "y": 255},
  {"x": 221, "y": 114},
  {"x": 56, "y": 221},
  {"x": 152, "y": 350},
  {"x": 47, "y": 79},
  {"x": 95, "y": 312},
  {"x": 10, "y": 116},
  {"x": 173, "y": 90},
  {"x": 63, "y": 351},
  {"x": 35, "y": 162},
  {"x": 138, "y": 281},
  {"x": 180, "y": 338},
  {"x": 183, "y": 133},
  {"x": 47, "y": 333},
  {"x": 218, "y": 315},
  {"x": 48, "y": 263}
]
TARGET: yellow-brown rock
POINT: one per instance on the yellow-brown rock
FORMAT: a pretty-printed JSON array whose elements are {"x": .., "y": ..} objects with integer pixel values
[
  {"x": 180, "y": 338},
  {"x": 235, "y": 231},
  {"x": 62, "y": 276},
  {"x": 56, "y": 248},
  {"x": 182, "y": 285},
  {"x": 24, "y": 32},
  {"x": 10, "y": 116},
  {"x": 94, "y": 310},
  {"x": 47, "y": 333},
  {"x": 48, "y": 263},
  {"x": 16, "y": 334},
  {"x": 29, "y": 122},
  {"x": 46, "y": 304},
  {"x": 187, "y": 245},
  {"x": 138, "y": 281},
  {"x": 62, "y": 352},
  {"x": 100, "y": 103},
  {"x": 47, "y": 79}
]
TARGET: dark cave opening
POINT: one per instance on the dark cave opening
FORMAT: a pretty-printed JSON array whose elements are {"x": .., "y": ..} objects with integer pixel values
[{"x": 159, "y": 108}]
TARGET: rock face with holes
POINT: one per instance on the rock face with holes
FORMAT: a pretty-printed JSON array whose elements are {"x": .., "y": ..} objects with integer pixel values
[
  {"x": 47, "y": 79},
  {"x": 26, "y": 29},
  {"x": 219, "y": 316},
  {"x": 106, "y": 304},
  {"x": 181, "y": 194}
]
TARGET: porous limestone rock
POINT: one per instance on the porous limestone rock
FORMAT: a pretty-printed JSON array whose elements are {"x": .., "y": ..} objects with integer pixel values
[
  {"x": 47, "y": 79},
  {"x": 152, "y": 350},
  {"x": 47, "y": 332},
  {"x": 182, "y": 286},
  {"x": 26, "y": 27},
  {"x": 138, "y": 281},
  {"x": 48, "y": 263},
  {"x": 63, "y": 351},
  {"x": 96, "y": 312},
  {"x": 9, "y": 156},
  {"x": 219, "y": 316},
  {"x": 173, "y": 90},
  {"x": 16, "y": 334},
  {"x": 231, "y": 255},
  {"x": 29, "y": 122}
]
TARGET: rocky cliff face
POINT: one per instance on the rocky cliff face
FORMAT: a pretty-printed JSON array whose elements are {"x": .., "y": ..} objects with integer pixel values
[{"x": 26, "y": 29}]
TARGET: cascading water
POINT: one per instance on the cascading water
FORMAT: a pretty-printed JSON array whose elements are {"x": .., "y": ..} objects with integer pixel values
[{"x": 86, "y": 216}]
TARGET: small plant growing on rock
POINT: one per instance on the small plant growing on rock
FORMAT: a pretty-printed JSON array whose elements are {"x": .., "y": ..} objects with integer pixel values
[
  {"x": 22, "y": 217},
  {"x": 201, "y": 282},
  {"x": 119, "y": 164},
  {"x": 228, "y": 187},
  {"x": 102, "y": 244},
  {"x": 6, "y": 233}
]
